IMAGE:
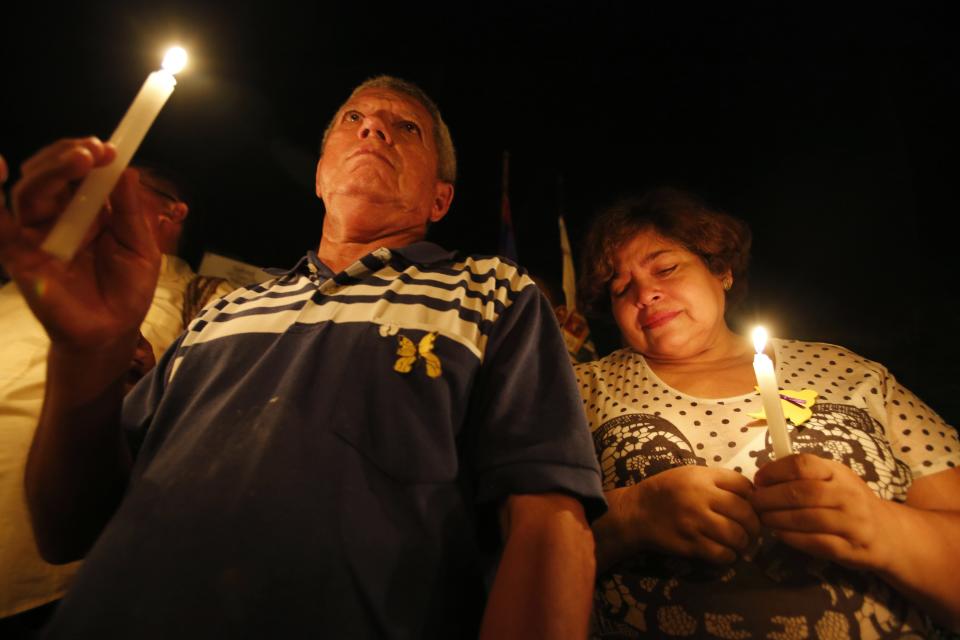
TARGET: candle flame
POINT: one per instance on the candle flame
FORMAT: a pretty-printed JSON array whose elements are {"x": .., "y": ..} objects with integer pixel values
[
  {"x": 175, "y": 60},
  {"x": 759, "y": 339}
]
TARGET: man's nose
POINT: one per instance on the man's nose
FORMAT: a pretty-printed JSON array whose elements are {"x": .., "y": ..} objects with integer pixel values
[{"x": 374, "y": 126}]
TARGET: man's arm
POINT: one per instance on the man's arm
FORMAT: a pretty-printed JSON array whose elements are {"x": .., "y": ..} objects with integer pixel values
[
  {"x": 91, "y": 308},
  {"x": 78, "y": 464},
  {"x": 544, "y": 584}
]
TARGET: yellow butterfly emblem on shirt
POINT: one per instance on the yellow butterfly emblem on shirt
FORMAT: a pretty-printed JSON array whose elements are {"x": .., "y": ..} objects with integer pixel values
[
  {"x": 796, "y": 406},
  {"x": 409, "y": 353}
]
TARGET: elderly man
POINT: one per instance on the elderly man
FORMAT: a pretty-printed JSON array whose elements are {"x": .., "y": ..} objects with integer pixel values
[
  {"x": 26, "y": 581},
  {"x": 331, "y": 453}
]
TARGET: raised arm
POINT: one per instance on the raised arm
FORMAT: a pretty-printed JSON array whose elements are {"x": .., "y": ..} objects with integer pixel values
[
  {"x": 91, "y": 308},
  {"x": 544, "y": 584}
]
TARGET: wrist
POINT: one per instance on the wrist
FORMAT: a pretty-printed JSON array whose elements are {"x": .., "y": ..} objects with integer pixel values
[
  {"x": 621, "y": 532},
  {"x": 893, "y": 525},
  {"x": 84, "y": 372}
]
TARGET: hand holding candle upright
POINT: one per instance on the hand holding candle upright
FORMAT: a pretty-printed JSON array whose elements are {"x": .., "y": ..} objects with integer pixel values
[
  {"x": 66, "y": 236},
  {"x": 770, "y": 395}
]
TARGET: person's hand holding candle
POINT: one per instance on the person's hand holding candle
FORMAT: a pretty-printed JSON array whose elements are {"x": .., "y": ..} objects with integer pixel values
[
  {"x": 96, "y": 299},
  {"x": 823, "y": 508},
  {"x": 65, "y": 238},
  {"x": 99, "y": 299}
]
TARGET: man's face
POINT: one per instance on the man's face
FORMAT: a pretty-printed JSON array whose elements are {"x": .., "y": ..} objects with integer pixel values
[
  {"x": 381, "y": 151},
  {"x": 165, "y": 212}
]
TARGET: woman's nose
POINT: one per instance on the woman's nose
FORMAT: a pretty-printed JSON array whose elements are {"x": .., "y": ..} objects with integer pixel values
[{"x": 647, "y": 294}]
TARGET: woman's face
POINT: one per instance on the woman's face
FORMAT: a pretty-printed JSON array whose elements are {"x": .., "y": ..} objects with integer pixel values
[{"x": 668, "y": 305}]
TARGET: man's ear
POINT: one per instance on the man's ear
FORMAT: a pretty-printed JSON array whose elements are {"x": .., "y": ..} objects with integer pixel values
[
  {"x": 442, "y": 197},
  {"x": 178, "y": 212}
]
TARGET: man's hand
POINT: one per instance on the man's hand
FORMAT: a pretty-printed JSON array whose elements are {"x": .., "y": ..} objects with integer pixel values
[
  {"x": 103, "y": 294},
  {"x": 690, "y": 511},
  {"x": 823, "y": 508}
]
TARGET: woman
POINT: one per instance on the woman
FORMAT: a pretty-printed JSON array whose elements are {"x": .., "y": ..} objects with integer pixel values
[{"x": 856, "y": 536}]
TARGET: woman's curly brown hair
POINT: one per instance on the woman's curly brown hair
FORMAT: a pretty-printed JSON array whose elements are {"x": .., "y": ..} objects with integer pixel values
[{"x": 721, "y": 241}]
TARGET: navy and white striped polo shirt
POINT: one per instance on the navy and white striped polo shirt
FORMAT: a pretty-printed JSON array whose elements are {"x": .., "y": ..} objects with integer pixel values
[{"x": 317, "y": 452}]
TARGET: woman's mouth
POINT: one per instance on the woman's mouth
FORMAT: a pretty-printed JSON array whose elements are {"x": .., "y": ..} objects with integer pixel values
[{"x": 658, "y": 319}]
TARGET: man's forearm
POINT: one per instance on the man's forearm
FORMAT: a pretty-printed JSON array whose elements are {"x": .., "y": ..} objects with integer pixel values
[
  {"x": 78, "y": 465},
  {"x": 612, "y": 545},
  {"x": 544, "y": 584}
]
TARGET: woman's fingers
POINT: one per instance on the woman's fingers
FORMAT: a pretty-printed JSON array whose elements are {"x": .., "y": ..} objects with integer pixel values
[
  {"x": 802, "y": 466},
  {"x": 737, "y": 510}
]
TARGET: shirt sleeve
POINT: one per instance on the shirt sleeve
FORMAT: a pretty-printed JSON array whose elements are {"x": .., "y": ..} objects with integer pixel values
[
  {"x": 589, "y": 392},
  {"x": 918, "y": 436},
  {"x": 531, "y": 435}
]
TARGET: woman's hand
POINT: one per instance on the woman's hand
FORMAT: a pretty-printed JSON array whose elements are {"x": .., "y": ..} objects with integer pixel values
[
  {"x": 690, "y": 511},
  {"x": 823, "y": 508}
]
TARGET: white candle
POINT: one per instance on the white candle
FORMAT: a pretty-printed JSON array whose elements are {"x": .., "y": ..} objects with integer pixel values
[
  {"x": 66, "y": 236},
  {"x": 770, "y": 395}
]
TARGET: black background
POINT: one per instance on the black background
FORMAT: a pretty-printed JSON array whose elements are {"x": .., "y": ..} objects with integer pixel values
[{"x": 830, "y": 129}]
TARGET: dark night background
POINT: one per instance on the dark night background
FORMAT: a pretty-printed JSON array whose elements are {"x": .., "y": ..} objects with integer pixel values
[{"x": 831, "y": 130}]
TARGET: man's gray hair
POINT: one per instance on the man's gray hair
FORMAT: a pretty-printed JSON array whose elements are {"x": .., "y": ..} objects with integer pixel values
[{"x": 446, "y": 154}]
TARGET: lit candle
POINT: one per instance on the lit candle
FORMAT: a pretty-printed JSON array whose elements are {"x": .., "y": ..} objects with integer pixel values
[
  {"x": 770, "y": 395},
  {"x": 66, "y": 236}
]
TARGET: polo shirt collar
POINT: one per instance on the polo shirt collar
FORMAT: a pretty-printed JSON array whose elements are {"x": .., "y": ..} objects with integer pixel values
[{"x": 422, "y": 253}]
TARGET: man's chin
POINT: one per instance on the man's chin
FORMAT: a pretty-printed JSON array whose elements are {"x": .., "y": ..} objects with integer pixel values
[{"x": 379, "y": 195}]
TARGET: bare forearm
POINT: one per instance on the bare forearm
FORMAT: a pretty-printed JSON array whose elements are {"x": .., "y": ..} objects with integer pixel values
[
  {"x": 926, "y": 565},
  {"x": 612, "y": 545},
  {"x": 78, "y": 465},
  {"x": 544, "y": 584}
]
